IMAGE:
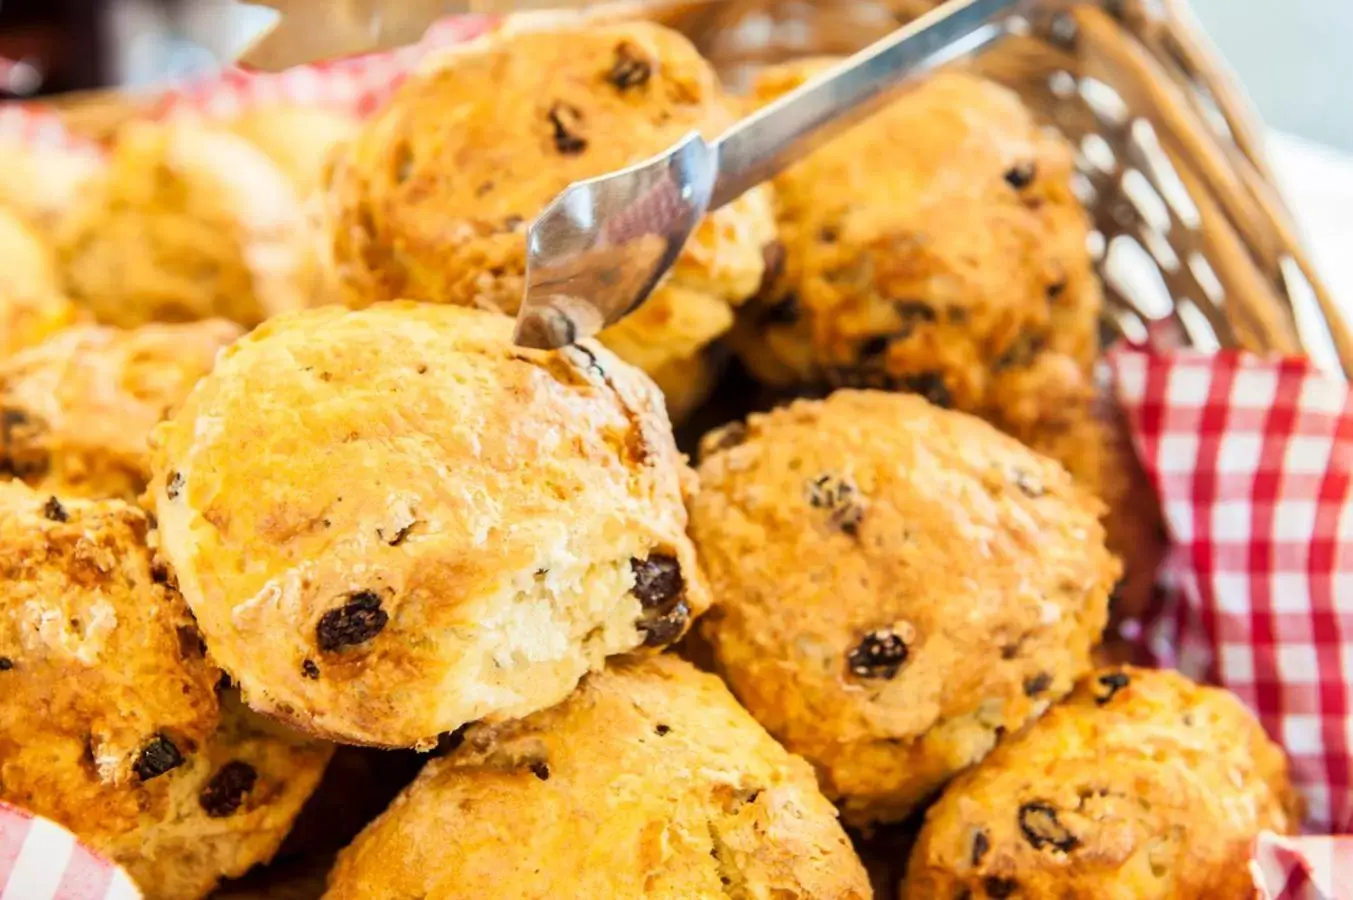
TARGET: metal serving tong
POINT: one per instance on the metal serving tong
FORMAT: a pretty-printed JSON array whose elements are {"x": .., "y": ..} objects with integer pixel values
[{"x": 597, "y": 251}]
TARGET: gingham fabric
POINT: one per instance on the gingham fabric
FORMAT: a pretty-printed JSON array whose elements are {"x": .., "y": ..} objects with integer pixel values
[
  {"x": 35, "y": 126},
  {"x": 1252, "y": 460}
]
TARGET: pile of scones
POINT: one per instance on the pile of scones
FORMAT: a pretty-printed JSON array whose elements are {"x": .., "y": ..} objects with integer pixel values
[{"x": 275, "y": 485}]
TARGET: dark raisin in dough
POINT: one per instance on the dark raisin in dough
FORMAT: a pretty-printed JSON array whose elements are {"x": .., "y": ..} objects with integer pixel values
[
  {"x": 664, "y": 628},
  {"x": 999, "y": 888},
  {"x": 1037, "y": 684},
  {"x": 54, "y": 511},
  {"x": 630, "y": 70},
  {"x": 565, "y": 120},
  {"x": 157, "y": 757},
  {"x": 357, "y": 621},
  {"x": 174, "y": 486},
  {"x": 1114, "y": 682},
  {"x": 657, "y": 580},
  {"x": 1041, "y": 827},
  {"x": 6, "y": 663},
  {"x": 309, "y": 669},
  {"x": 226, "y": 791},
  {"x": 980, "y": 845},
  {"x": 879, "y": 654},
  {"x": 1021, "y": 175},
  {"x": 540, "y": 770}
]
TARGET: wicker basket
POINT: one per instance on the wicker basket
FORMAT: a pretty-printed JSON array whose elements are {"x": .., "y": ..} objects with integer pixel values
[{"x": 1193, "y": 242}]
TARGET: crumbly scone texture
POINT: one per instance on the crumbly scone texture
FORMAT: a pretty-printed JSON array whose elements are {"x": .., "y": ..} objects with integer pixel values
[
  {"x": 187, "y": 222},
  {"x": 432, "y": 199},
  {"x": 109, "y": 718},
  {"x": 79, "y": 409},
  {"x": 897, "y": 586},
  {"x": 648, "y": 782},
  {"x": 32, "y": 306},
  {"x": 298, "y": 139},
  {"x": 41, "y": 184},
  {"x": 390, "y": 522},
  {"x": 1141, "y": 786}
]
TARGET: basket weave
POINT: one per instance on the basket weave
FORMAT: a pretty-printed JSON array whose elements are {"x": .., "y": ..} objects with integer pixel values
[{"x": 1192, "y": 240}]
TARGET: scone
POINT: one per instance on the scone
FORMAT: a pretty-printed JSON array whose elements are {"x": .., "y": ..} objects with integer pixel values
[
  {"x": 40, "y": 183},
  {"x": 298, "y": 139},
  {"x": 78, "y": 409},
  {"x": 188, "y": 222},
  {"x": 109, "y": 719},
  {"x": 432, "y": 199},
  {"x": 898, "y": 586},
  {"x": 1142, "y": 786},
  {"x": 32, "y": 306},
  {"x": 391, "y": 522},
  {"x": 648, "y": 782}
]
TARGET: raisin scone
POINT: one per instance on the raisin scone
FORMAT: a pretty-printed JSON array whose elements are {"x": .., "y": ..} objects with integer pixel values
[
  {"x": 109, "y": 717},
  {"x": 32, "y": 306},
  {"x": 390, "y": 522},
  {"x": 432, "y": 199},
  {"x": 79, "y": 408},
  {"x": 1141, "y": 786},
  {"x": 648, "y": 782},
  {"x": 188, "y": 222},
  {"x": 898, "y": 586}
]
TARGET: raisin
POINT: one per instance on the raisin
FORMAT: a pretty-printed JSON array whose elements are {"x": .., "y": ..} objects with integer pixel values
[
  {"x": 1042, "y": 829},
  {"x": 1056, "y": 289},
  {"x": 1030, "y": 485},
  {"x": 1021, "y": 175},
  {"x": 630, "y": 70},
  {"x": 541, "y": 770},
  {"x": 174, "y": 486},
  {"x": 224, "y": 794},
  {"x": 725, "y": 438},
  {"x": 879, "y": 654},
  {"x": 55, "y": 511},
  {"x": 484, "y": 188},
  {"x": 1115, "y": 682},
  {"x": 999, "y": 888},
  {"x": 6, "y": 663},
  {"x": 916, "y": 310},
  {"x": 828, "y": 234},
  {"x": 565, "y": 120},
  {"x": 875, "y": 346},
  {"x": 840, "y": 496},
  {"x": 355, "y": 622},
  {"x": 662, "y": 730},
  {"x": 1021, "y": 353},
  {"x": 980, "y": 845},
  {"x": 1037, "y": 684},
  {"x": 786, "y": 312},
  {"x": 661, "y": 629},
  {"x": 929, "y": 385},
  {"x": 309, "y": 669},
  {"x": 157, "y": 757},
  {"x": 657, "y": 580},
  {"x": 397, "y": 537}
]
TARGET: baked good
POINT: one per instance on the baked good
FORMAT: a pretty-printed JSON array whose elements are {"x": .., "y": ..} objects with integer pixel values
[
  {"x": 390, "y": 522},
  {"x": 297, "y": 138},
  {"x": 898, "y": 585},
  {"x": 40, "y": 183},
  {"x": 188, "y": 222},
  {"x": 109, "y": 718},
  {"x": 32, "y": 306},
  {"x": 1143, "y": 785},
  {"x": 649, "y": 781},
  {"x": 78, "y": 409},
  {"x": 432, "y": 198}
]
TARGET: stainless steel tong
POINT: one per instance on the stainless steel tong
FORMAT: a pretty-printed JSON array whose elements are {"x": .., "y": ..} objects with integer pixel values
[{"x": 597, "y": 251}]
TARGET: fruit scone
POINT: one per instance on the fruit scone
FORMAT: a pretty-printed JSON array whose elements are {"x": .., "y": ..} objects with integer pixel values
[
  {"x": 110, "y": 722},
  {"x": 392, "y": 521},
  {"x": 32, "y": 306},
  {"x": 648, "y": 781},
  {"x": 188, "y": 221},
  {"x": 432, "y": 199},
  {"x": 938, "y": 249},
  {"x": 1141, "y": 786},
  {"x": 898, "y": 585},
  {"x": 78, "y": 409}
]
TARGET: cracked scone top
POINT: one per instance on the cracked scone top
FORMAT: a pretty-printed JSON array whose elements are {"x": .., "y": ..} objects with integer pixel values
[
  {"x": 898, "y": 585},
  {"x": 187, "y": 222},
  {"x": 1141, "y": 786},
  {"x": 649, "y": 781},
  {"x": 109, "y": 718},
  {"x": 390, "y": 522},
  {"x": 79, "y": 408},
  {"x": 432, "y": 200}
]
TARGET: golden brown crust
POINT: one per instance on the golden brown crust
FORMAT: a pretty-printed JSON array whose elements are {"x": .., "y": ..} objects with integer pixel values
[
  {"x": 188, "y": 222},
  {"x": 390, "y": 522},
  {"x": 897, "y": 584},
  {"x": 32, "y": 307},
  {"x": 80, "y": 407},
  {"x": 108, "y": 710},
  {"x": 1142, "y": 786},
  {"x": 649, "y": 781},
  {"x": 431, "y": 200}
]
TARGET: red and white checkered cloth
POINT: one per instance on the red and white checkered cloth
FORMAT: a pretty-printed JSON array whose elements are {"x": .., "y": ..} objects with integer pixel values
[{"x": 1253, "y": 461}]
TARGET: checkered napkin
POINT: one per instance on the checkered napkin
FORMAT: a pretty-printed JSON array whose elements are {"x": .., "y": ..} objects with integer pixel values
[{"x": 1252, "y": 459}]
